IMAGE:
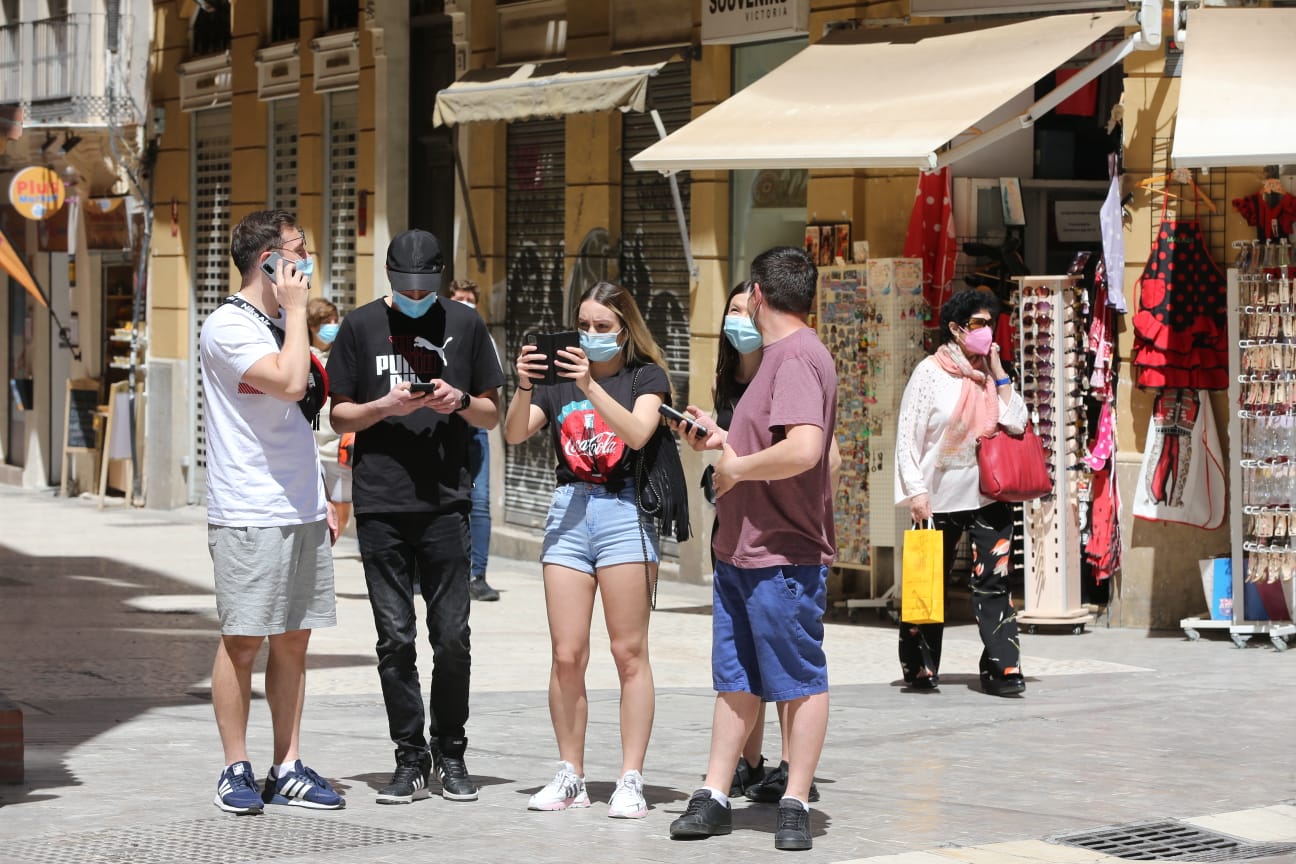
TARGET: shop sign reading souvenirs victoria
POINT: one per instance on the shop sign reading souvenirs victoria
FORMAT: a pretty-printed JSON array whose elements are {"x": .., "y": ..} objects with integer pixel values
[{"x": 753, "y": 20}]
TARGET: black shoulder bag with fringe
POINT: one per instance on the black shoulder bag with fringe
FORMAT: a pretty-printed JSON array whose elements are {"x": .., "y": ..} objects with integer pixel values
[{"x": 659, "y": 479}]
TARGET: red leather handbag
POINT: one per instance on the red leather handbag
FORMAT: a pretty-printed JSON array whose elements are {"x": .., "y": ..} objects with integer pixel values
[{"x": 1013, "y": 467}]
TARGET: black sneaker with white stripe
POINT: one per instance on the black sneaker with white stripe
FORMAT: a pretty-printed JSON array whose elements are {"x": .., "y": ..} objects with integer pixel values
[
  {"x": 407, "y": 780},
  {"x": 451, "y": 772}
]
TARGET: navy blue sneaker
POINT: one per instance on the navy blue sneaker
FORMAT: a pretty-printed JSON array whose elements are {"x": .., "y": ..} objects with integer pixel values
[
  {"x": 301, "y": 787},
  {"x": 236, "y": 792}
]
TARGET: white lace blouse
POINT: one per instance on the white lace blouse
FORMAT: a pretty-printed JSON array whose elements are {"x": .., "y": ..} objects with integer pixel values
[{"x": 925, "y": 411}]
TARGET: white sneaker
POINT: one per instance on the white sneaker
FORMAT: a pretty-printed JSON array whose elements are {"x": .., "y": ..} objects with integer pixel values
[
  {"x": 627, "y": 800},
  {"x": 566, "y": 789}
]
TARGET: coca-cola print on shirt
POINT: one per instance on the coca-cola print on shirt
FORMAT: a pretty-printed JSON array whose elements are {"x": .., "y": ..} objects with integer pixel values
[
  {"x": 590, "y": 449},
  {"x": 587, "y": 450}
]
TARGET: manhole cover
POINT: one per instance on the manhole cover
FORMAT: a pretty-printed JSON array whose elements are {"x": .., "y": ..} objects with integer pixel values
[
  {"x": 1171, "y": 841},
  {"x": 221, "y": 840}
]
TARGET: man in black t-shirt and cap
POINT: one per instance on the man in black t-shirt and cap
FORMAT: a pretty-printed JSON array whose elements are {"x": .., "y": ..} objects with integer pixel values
[{"x": 412, "y": 376}]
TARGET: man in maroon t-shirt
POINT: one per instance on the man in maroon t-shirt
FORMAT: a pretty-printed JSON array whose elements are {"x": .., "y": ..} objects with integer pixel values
[{"x": 775, "y": 543}]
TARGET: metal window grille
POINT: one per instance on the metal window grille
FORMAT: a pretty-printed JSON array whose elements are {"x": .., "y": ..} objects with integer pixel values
[
  {"x": 211, "y": 29},
  {"x": 285, "y": 20},
  {"x": 283, "y": 154},
  {"x": 534, "y": 278},
  {"x": 343, "y": 15},
  {"x": 344, "y": 126},
  {"x": 652, "y": 262},
  {"x": 212, "y": 154}
]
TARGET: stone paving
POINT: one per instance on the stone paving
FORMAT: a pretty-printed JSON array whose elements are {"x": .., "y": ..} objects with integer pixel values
[{"x": 107, "y": 632}]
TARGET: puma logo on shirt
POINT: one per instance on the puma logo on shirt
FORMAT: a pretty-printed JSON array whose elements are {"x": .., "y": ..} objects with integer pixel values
[{"x": 416, "y": 358}]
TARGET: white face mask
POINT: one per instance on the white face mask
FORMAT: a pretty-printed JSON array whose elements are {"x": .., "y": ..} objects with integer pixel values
[{"x": 470, "y": 304}]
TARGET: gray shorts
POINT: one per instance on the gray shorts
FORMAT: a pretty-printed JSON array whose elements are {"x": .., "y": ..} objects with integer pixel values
[{"x": 272, "y": 580}]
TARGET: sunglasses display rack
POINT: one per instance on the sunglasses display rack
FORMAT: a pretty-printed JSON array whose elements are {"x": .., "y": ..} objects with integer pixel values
[
  {"x": 871, "y": 318},
  {"x": 1262, "y": 433},
  {"x": 1050, "y": 350}
]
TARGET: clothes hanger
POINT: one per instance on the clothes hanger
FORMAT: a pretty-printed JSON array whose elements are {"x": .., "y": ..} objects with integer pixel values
[{"x": 1183, "y": 177}]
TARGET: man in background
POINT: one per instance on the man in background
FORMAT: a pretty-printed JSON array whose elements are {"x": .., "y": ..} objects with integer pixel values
[{"x": 479, "y": 521}]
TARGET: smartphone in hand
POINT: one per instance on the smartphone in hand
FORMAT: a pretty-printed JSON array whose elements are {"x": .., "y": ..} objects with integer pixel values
[
  {"x": 422, "y": 386},
  {"x": 549, "y": 344},
  {"x": 691, "y": 426},
  {"x": 269, "y": 265}
]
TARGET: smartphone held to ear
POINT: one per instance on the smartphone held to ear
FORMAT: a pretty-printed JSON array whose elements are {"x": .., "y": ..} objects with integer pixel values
[
  {"x": 549, "y": 344},
  {"x": 271, "y": 264},
  {"x": 691, "y": 426}
]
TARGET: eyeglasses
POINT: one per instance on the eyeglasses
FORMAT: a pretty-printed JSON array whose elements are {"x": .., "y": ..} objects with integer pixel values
[
  {"x": 976, "y": 323},
  {"x": 291, "y": 242}
]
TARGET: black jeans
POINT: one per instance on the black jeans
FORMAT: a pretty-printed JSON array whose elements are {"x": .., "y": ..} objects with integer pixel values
[
  {"x": 990, "y": 529},
  {"x": 401, "y": 550}
]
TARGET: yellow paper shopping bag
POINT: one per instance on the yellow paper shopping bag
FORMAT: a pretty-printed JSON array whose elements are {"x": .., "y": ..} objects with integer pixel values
[{"x": 922, "y": 579}]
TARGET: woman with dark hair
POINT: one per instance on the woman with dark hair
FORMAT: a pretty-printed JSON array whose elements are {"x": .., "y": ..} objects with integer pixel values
[
  {"x": 954, "y": 397},
  {"x": 596, "y": 540}
]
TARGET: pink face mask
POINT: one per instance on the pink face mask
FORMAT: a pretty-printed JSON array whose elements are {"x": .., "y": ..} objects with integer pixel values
[{"x": 978, "y": 341}]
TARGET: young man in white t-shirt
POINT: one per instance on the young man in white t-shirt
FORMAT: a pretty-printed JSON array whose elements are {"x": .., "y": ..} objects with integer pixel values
[{"x": 269, "y": 527}]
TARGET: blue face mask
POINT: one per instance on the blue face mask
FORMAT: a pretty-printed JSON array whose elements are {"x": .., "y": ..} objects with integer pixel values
[
  {"x": 328, "y": 332},
  {"x": 413, "y": 308},
  {"x": 599, "y": 347},
  {"x": 305, "y": 267},
  {"x": 742, "y": 333}
]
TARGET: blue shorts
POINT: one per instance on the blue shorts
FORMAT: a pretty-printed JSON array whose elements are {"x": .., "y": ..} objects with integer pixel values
[
  {"x": 767, "y": 631},
  {"x": 589, "y": 528}
]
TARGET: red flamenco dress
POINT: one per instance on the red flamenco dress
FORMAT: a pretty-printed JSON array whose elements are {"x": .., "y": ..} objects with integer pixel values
[{"x": 1181, "y": 327}]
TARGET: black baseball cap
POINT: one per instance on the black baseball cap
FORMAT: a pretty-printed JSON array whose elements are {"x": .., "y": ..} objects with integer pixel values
[{"x": 414, "y": 262}]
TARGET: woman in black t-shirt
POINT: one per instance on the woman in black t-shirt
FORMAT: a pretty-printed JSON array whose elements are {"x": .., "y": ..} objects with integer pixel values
[{"x": 595, "y": 536}]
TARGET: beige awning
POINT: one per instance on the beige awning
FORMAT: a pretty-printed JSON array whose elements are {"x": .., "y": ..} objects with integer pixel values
[
  {"x": 881, "y": 97},
  {"x": 548, "y": 89},
  {"x": 1237, "y": 96}
]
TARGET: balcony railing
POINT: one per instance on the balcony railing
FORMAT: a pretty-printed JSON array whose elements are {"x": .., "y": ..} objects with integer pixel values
[{"x": 58, "y": 69}]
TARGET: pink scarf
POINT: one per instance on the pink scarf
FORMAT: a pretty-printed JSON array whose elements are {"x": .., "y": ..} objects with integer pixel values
[{"x": 975, "y": 414}]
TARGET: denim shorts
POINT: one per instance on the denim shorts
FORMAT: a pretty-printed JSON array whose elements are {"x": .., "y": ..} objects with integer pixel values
[
  {"x": 767, "y": 631},
  {"x": 589, "y": 528}
]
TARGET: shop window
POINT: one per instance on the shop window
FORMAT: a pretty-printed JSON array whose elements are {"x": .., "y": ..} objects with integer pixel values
[
  {"x": 285, "y": 20},
  {"x": 767, "y": 207},
  {"x": 210, "y": 32},
  {"x": 343, "y": 15}
]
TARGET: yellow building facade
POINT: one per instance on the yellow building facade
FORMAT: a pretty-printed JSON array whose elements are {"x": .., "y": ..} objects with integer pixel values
[{"x": 544, "y": 205}]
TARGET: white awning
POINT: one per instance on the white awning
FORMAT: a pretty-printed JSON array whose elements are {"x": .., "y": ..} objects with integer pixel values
[
  {"x": 1237, "y": 96},
  {"x": 884, "y": 97},
  {"x": 547, "y": 90}
]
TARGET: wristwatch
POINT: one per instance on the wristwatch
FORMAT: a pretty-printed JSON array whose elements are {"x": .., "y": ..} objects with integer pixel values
[{"x": 465, "y": 401}]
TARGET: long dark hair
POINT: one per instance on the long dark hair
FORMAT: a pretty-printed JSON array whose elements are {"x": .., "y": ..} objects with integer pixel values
[{"x": 725, "y": 390}]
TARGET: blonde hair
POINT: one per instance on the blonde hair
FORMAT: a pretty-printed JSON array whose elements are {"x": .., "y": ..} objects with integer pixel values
[{"x": 640, "y": 346}]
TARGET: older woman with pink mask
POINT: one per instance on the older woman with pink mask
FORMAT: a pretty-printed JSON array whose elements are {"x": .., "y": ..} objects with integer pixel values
[{"x": 955, "y": 396}]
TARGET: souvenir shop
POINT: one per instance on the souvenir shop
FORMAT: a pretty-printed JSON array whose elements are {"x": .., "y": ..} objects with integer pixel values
[
  {"x": 1094, "y": 336},
  {"x": 880, "y": 290},
  {"x": 1240, "y": 335}
]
